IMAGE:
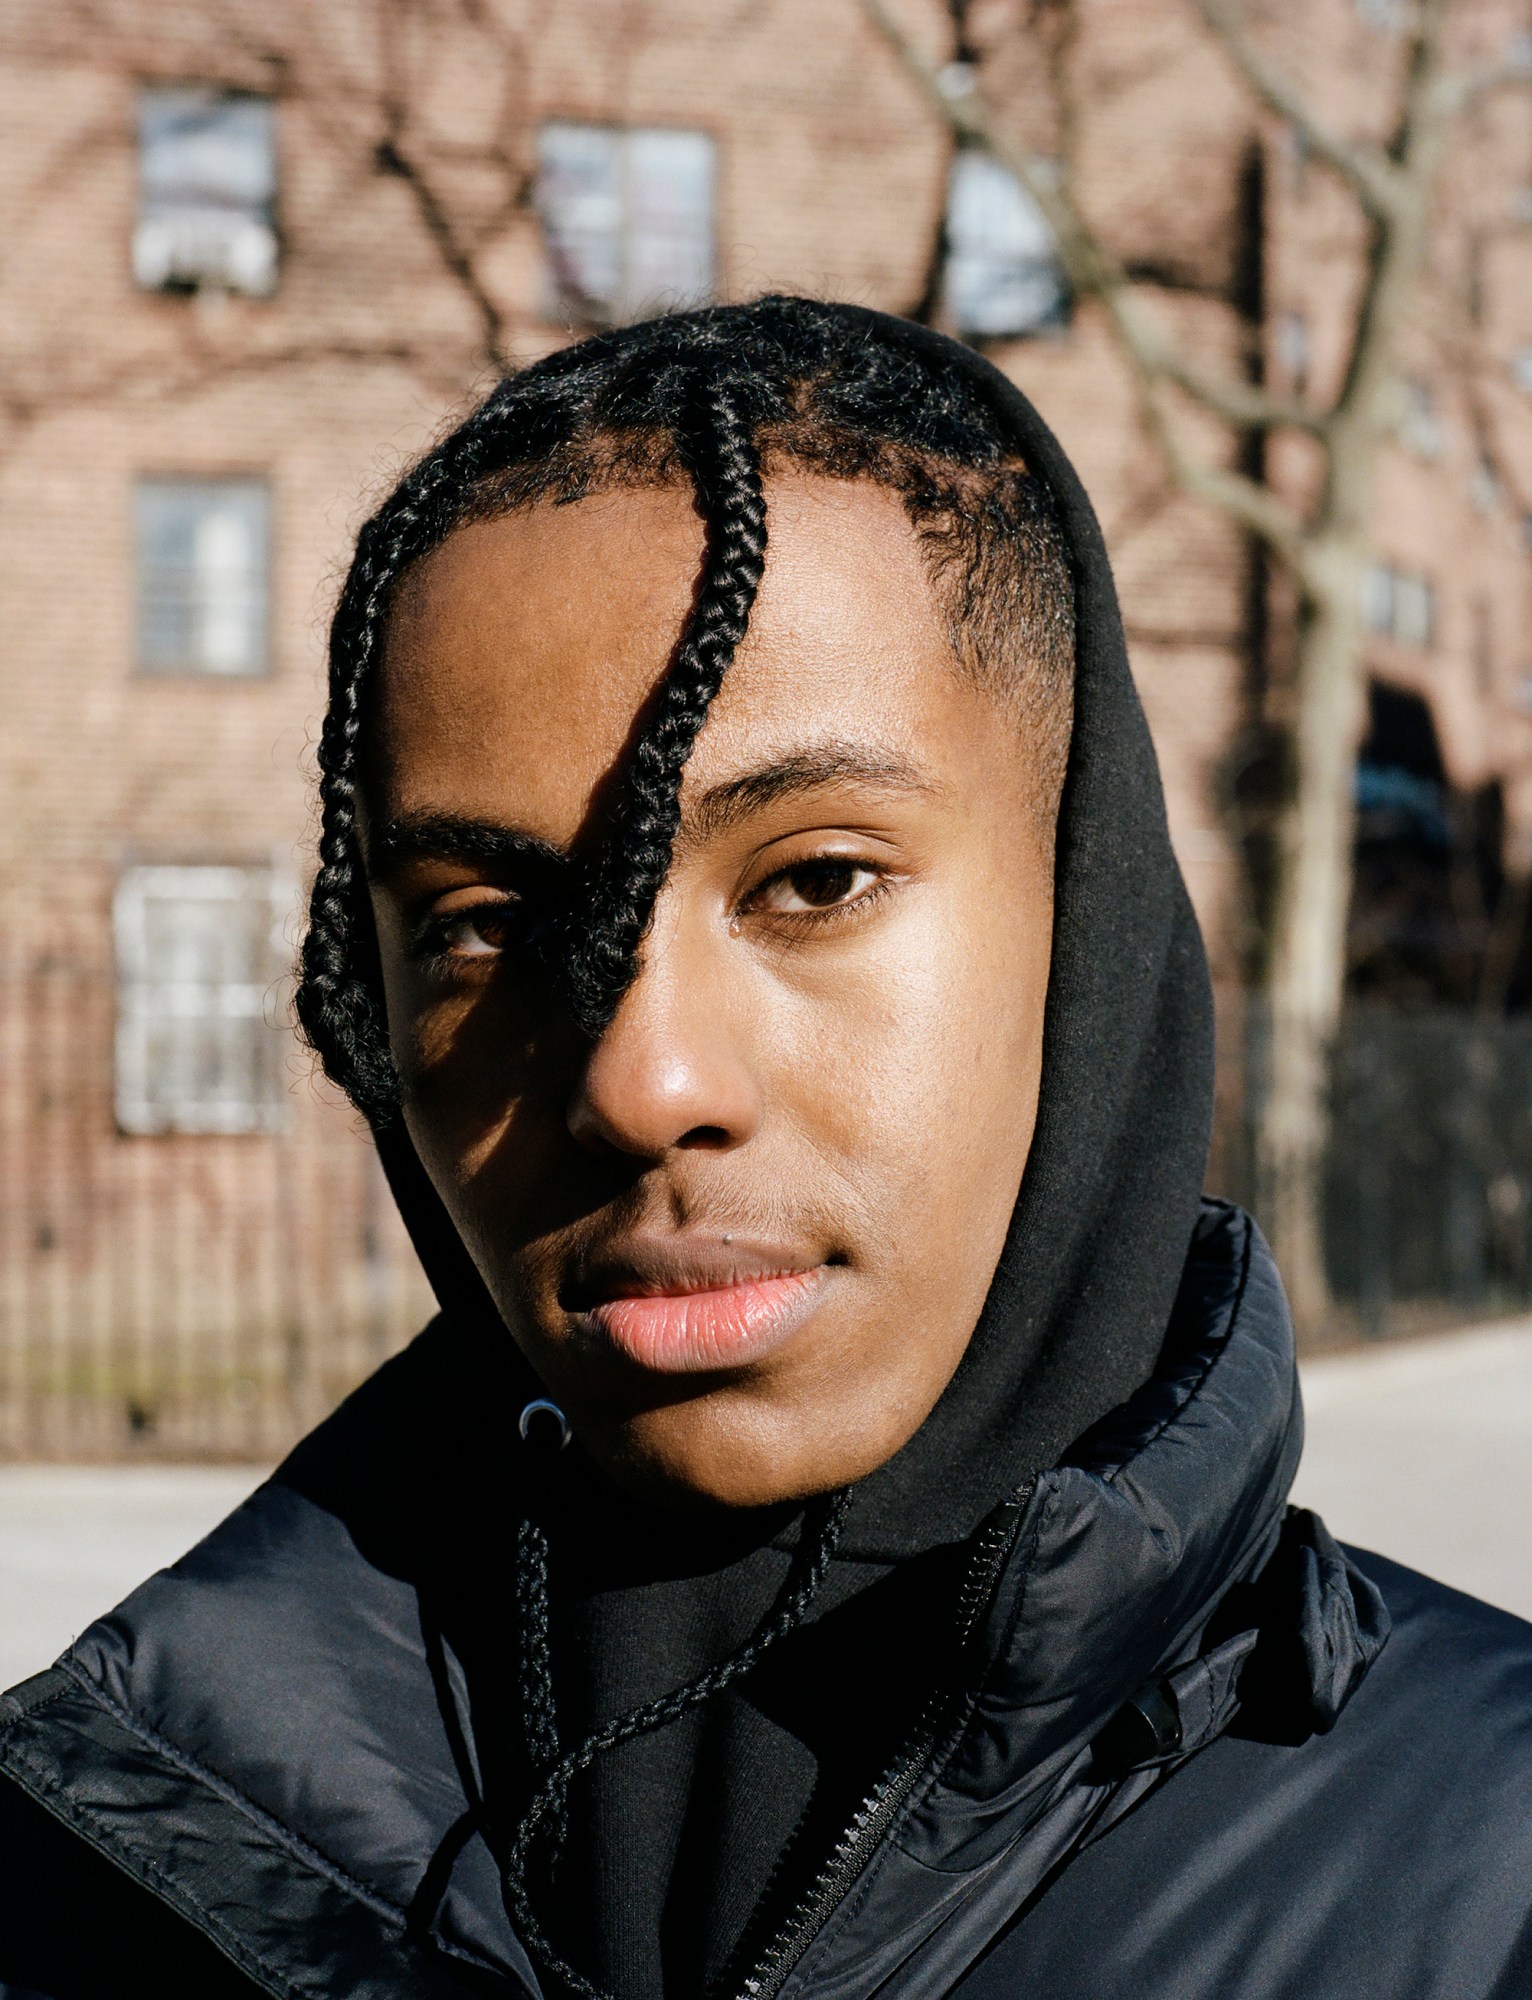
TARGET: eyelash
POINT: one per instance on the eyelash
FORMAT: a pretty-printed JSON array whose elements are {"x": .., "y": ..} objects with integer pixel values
[
  {"x": 429, "y": 946},
  {"x": 851, "y": 910}
]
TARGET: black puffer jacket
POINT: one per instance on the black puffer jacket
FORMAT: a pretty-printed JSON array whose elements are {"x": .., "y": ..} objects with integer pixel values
[{"x": 1193, "y": 1748}]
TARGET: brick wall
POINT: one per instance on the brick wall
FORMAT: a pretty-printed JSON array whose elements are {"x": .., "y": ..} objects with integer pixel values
[{"x": 831, "y": 177}]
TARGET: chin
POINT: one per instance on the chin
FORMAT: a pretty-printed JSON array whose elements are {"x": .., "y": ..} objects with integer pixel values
[{"x": 693, "y": 1456}]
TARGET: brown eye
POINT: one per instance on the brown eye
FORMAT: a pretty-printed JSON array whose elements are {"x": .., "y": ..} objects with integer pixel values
[
  {"x": 478, "y": 934},
  {"x": 816, "y": 885},
  {"x": 481, "y": 933}
]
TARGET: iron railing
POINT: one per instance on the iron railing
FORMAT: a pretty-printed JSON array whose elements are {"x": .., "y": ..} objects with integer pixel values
[{"x": 204, "y": 1296}]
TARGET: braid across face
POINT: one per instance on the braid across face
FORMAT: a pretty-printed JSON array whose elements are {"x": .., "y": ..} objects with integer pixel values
[{"x": 602, "y": 953}]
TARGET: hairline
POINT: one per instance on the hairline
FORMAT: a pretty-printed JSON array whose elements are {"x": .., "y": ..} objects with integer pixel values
[{"x": 621, "y": 467}]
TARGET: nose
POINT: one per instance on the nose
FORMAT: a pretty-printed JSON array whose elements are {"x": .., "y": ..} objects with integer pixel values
[{"x": 670, "y": 1070}]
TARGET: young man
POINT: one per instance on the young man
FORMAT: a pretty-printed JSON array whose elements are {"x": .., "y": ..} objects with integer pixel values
[{"x": 833, "y": 1542}]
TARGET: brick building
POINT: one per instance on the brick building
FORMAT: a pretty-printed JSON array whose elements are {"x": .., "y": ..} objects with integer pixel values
[{"x": 255, "y": 256}]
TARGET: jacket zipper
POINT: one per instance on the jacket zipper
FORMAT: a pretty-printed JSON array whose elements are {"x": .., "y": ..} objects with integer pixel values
[{"x": 876, "y": 1812}]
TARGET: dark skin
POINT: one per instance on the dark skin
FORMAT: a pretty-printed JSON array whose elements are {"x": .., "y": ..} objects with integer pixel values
[{"x": 828, "y": 1065}]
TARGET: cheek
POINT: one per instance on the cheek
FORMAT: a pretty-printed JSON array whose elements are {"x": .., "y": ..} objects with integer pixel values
[
  {"x": 481, "y": 1076},
  {"x": 914, "y": 1074}
]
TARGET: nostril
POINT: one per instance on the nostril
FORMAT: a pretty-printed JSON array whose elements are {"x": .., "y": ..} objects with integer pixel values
[{"x": 705, "y": 1139}]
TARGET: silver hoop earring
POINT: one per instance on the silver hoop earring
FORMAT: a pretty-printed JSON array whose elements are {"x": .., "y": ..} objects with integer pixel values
[{"x": 541, "y": 1408}]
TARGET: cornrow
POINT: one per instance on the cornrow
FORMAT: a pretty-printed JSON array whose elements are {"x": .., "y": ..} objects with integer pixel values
[{"x": 717, "y": 397}]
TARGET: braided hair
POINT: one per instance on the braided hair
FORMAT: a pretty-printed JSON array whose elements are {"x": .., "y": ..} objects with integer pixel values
[{"x": 714, "y": 397}]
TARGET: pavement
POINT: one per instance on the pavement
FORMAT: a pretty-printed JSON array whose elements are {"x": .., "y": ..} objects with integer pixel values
[{"x": 1420, "y": 1449}]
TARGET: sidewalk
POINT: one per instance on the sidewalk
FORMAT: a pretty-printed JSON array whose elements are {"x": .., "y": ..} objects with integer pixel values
[
  {"x": 1422, "y": 1450},
  {"x": 74, "y": 1539}
]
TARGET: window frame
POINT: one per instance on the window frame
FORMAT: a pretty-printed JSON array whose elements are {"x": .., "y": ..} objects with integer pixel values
[
  {"x": 1402, "y": 592},
  {"x": 261, "y": 576},
  {"x": 141, "y": 1109},
  {"x": 157, "y": 214},
  {"x": 566, "y": 299}
]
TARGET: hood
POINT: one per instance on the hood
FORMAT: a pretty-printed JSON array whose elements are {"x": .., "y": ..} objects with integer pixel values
[{"x": 1083, "y": 1288}]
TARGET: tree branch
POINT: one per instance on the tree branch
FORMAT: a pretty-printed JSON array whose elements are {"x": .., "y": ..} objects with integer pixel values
[
  {"x": 1366, "y": 170},
  {"x": 1460, "y": 92},
  {"x": 1255, "y": 507},
  {"x": 1154, "y": 362},
  {"x": 1398, "y": 248},
  {"x": 392, "y": 159},
  {"x": 1090, "y": 268}
]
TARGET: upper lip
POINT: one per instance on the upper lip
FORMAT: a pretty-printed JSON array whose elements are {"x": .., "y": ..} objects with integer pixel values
[{"x": 635, "y": 1267}]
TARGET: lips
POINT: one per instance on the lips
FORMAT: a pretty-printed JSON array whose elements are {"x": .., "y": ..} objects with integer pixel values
[{"x": 678, "y": 1308}]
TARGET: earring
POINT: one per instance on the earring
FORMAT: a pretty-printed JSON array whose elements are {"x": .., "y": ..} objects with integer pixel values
[{"x": 542, "y": 1413}]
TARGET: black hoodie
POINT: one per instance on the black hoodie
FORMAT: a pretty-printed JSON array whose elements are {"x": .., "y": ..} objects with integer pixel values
[{"x": 1058, "y": 1614}]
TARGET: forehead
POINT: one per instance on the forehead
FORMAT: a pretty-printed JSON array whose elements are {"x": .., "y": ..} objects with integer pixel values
[{"x": 521, "y": 654}]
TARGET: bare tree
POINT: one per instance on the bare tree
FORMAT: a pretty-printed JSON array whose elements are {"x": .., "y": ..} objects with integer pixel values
[
  {"x": 381, "y": 89},
  {"x": 1320, "y": 538}
]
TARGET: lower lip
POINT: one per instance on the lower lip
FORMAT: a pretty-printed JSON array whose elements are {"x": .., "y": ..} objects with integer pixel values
[{"x": 686, "y": 1333}]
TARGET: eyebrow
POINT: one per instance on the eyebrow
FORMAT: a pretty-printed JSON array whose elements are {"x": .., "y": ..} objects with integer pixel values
[
  {"x": 424, "y": 836},
  {"x": 456, "y": 837},
  {"x": 723, "y": 806}
]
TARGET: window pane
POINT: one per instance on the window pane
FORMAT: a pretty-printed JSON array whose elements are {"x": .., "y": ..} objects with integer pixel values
[
  {"x": 579, "y": 200},
  {"x": 207, "y": 185},
  {"x": 627, "y": 217},
  {"x": 1413, "y": 609},
  {"x": 669, "y": 204},
  {"x": 1378, "y": 598},
  {"x": 1003, "y": 275},
  {"x": 199, "y": 954},
  {"x": 203, "y": 562},
  {"x": 1420, "y": 425}
]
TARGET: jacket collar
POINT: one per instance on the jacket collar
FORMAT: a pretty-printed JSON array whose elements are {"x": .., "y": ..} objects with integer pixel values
[
  {"x": 271, "y": 1720},
  {"x": 1158, "y": 1590}
]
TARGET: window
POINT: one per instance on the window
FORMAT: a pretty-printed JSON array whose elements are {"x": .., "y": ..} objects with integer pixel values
[
  {"x": 199, "y": 950},
  {"x": 207, "y": 183},
  {"x": 1484, "y": 486},
  {"x": 202, "y": 575},
  {"x": 1293, "y": 349},
  {"x": 1003, "y": 275},
  {"x": 1420, "y": 423},
  {"x": 1399, "y": 605},
  {"x": 627, "y": 217}
]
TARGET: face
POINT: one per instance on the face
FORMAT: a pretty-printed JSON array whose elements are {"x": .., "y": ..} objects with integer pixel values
[{"x": 744, "y": 1237}]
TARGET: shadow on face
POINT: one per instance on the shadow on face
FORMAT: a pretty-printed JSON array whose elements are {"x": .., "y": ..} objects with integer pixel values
[{"x": 744, "y": 1237}]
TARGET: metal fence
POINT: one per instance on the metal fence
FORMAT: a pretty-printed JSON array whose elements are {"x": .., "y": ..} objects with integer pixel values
[
  {"x": 1428, "y": 1195},
  {"x": 201, "y": 1296},
  {"x": 213, "y": 1295}
]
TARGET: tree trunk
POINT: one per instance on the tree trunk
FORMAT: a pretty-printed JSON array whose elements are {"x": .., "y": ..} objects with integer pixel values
[{"x": 1306, "y": 967}]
